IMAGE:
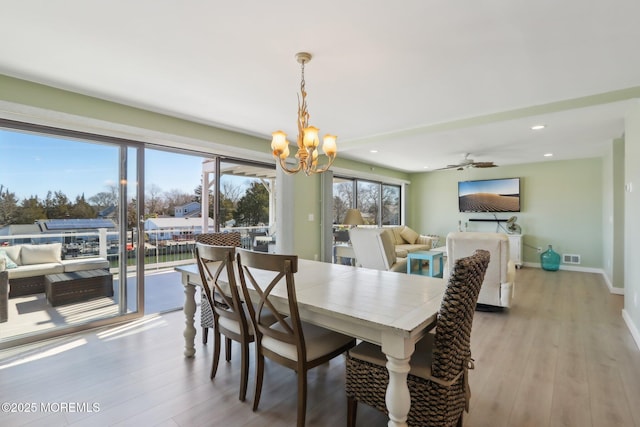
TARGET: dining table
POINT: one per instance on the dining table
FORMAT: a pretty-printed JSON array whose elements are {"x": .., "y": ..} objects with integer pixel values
[{"x": 390, "y": 309}]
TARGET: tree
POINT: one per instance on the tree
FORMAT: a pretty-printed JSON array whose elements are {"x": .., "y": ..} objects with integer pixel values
[
  {"x": 227, "y": 209},
  {"x": 8, "y": 206},
  {"x": 342, "y": 200},
  {"x": 31, "y": 210},
  {"x": 253, "y": 207},
  {"x": 104, "y": 199},
  {"x": 369, "y": 201},
  {"x": 154, "y": 202},
  {"x": 132, "y": 215},
  {"x": 198, "y": 198},
  {"x": 57, "y": 206},
  {"x": 173, "y": 198},
  {"x": 82, "y": 209}
]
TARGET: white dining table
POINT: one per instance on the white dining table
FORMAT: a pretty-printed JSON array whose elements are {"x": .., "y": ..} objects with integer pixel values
[{"x": 393, "y": 310}]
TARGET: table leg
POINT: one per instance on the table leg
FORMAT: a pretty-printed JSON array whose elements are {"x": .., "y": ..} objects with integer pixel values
[
  {"x": 398, "y": 398},
  {"x": 189, "y": 313}
]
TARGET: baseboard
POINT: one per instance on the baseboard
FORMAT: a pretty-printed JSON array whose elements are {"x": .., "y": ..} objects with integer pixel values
[
  {"x": 612, "y": 289},
  {"x": 632, "y": 328}
]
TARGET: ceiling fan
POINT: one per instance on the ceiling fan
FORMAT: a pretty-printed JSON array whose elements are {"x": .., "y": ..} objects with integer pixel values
[{"x": 469, "y": 163}]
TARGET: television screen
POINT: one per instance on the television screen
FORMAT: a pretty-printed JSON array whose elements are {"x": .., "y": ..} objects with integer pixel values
[{"x": 489, "y": 195}]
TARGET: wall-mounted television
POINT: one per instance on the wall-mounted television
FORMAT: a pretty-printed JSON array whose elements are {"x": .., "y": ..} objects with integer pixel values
[{"x": 489, "y": 195}]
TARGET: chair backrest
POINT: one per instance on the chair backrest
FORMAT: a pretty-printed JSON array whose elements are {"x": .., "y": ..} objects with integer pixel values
[
  {"x": 452, "y": 348},
  {"x": 265, "y": 273},
  {"x": 463, "y": 244},
  {"x": 212, "y": 262},
  {"x": 220, "y": 239},
  {"x": 373, "y": 247}
]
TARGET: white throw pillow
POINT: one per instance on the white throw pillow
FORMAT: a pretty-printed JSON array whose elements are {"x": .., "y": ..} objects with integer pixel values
[
  {"x": 13, "y": 252},
  {"x": 40, "y": 254}
]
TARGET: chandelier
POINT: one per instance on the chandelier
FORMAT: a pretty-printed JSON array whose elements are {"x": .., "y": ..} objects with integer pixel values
[{"x": 308, "y": 141}]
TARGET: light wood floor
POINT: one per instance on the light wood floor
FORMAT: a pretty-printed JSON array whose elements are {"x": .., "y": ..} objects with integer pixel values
[{"x": 561, "y": 356}]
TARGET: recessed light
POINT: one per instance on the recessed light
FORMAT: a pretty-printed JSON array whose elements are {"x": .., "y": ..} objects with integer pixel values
[
  {"x": 537, "y": 127},
  {"x": 426, "y": 167},
  {"x": 548, "y": 154},
  {"x": 373, "y": 151}
]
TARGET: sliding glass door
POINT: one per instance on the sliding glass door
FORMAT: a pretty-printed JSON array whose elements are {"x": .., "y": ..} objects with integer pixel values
[{"x": 68, "y": 221}]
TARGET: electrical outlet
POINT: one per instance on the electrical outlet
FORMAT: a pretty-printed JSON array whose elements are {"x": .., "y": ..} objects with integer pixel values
[{"x": 539, "y": 250}]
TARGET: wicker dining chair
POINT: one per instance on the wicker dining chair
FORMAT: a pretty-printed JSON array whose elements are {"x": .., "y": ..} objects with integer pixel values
[
  {"x": 438, "y": 381},
  {"x": 206, "y": 313},
  {"x": 229, "y": 315},
  {"x": 297, "y": 345}
]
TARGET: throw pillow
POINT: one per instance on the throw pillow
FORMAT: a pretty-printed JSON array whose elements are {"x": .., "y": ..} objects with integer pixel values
[
  {"x": 409, "y": 235},
  {"x": 7, "y": 260},
  {"x": 399, "y": 240},
  {"x": 40, "y": 254}
]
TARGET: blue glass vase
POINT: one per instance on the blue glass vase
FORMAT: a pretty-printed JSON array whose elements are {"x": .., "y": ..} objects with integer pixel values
[{"x": 550, "y": 260}]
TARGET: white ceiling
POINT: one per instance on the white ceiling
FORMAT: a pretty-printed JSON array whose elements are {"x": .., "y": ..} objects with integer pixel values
[{"x": 421, "y": 81}]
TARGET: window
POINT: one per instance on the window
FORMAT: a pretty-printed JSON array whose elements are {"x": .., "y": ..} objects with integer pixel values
[{"x": 379, "y": 203}]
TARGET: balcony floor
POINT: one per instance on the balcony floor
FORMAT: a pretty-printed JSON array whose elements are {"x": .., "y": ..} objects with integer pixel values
[{"x": 32, "y": 313}]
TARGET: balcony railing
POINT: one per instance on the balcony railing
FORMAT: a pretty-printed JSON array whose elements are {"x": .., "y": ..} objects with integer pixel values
[{"x": 163, "y": 248}]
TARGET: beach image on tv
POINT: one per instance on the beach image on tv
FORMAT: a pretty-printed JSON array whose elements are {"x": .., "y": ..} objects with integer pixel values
[{"x": 494, "y": 195}]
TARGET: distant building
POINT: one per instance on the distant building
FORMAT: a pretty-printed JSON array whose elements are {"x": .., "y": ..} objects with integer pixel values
[
  {"x": 176, "y": 228},
  {"x": 191, "y": 209}
]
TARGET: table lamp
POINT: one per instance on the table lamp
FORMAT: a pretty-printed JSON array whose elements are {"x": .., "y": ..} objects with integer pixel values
[{"x": 353, "y": 217}]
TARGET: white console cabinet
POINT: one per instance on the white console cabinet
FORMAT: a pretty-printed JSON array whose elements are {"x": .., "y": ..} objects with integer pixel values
[{"x": 515, "y": 248}]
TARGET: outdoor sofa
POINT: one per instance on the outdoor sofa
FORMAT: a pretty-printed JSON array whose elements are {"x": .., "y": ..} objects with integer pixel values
[{"x": 28, "y": 264}]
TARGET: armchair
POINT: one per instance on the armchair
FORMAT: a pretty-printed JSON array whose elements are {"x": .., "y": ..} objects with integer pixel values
[
  {"x": 374, "y": 248},
  {"x": 499, "y": 281}
]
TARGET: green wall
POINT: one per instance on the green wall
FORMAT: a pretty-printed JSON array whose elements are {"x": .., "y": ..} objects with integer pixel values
[{"x": 561, "y": 205}]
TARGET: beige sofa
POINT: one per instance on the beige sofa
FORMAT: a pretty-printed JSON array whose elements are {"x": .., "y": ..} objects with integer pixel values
[
  {"x": 28, "y": 264},
  {"x": 386, "y": 248},
  {"x": 407, "y": 240}
]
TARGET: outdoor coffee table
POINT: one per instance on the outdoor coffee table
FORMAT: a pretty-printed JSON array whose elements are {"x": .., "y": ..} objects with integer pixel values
[
  {"x": 65, "y": 288},
  {"x": 430, "y": 256}
]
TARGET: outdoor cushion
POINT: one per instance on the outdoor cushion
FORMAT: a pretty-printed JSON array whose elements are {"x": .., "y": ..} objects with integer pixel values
[
  {"x": 13, "y": 252},
  {"x": 35, "y": 270},
  {"x": 39, "y": 254},
  {"x": 80, "y": 264}
]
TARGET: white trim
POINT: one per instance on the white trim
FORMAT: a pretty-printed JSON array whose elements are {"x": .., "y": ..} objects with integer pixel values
[
  {"x": 352, "y": 173},
  {"x": 44, "y": 117},
  {"x": 632, "y": 328}
]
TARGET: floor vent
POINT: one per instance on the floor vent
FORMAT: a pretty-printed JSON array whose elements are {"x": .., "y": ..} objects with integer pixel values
[{"x": 570, "y": 259}]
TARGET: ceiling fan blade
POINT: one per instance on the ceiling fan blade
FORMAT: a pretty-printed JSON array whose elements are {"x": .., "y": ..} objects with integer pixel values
[
  {"x": 484, "y": 165},
  {"x": 447, "y": 167}
]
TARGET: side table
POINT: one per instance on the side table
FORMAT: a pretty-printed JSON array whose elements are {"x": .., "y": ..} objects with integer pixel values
[
  {"x": 431, "y": 256},
  {"x": 343, "y": 251}
]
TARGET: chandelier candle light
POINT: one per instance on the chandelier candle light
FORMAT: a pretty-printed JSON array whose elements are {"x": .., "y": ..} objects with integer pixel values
[{"x": 307, "y": 136}]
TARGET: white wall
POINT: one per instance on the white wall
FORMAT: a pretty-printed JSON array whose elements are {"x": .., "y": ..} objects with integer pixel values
[{"x": 631, "y": 311}]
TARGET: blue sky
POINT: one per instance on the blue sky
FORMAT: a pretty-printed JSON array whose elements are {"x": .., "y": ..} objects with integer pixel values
[
  {"x": 34, "y": 164},
  {"x": 496, "y": 186}
]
